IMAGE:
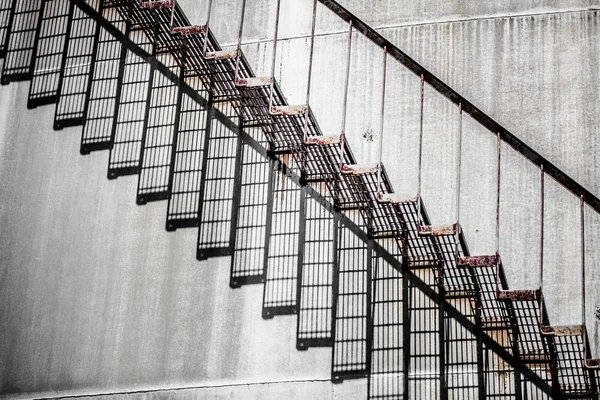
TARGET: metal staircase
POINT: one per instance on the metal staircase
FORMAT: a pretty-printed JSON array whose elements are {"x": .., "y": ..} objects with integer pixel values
[{"x": 399, "y": 301}]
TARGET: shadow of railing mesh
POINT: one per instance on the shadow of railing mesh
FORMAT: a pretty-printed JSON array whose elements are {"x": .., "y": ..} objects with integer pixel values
[
  {"x": 405, "y": 316},
  {"x": 386, "y": 378},
  {"x": 160, "y": 134},
  {"x": 50, "y": 42},
  {"x": 281, "y": 264},
  {"x": 352, "y": 304},
  {"x": 255, "y": 184},
  {"x": 131, "y": 109},
  {"x": 75, "y": 69},
  {"x": 20, "y": 40},
  {"x": 216, "y": 186},
  {"x": 5, "y": 24},
  {"x": 186, "y": 171},
  {"x": 316, "y": 272},
  {"x": 108, "y": 59}
]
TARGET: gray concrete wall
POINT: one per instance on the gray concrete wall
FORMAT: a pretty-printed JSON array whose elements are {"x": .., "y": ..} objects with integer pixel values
[{"x": 97, "y": 298}]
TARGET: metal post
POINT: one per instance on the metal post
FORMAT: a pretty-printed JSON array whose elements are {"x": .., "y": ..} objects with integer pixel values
[
  {"x": 420, "y": 221},
  {"x": 274, "y": 57},
  {"x": 239, "y": 43},
  {"x": 541, "y": 301},
  {"x": 582, "y": 207},
  {"x": 206, "y": 28},
  {"x": 310, "y": 64},
  {"x": 381, "y": 121},
  {"x": 458, "y": 165},
  {"x": 498, "y": 183},
  {"x": 345, "y": 106}
]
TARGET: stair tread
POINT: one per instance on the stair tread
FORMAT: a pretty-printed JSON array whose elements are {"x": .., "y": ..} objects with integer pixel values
[
  {"x": 255, "y": 81},
  {"x": 323, "y": 140},
  {"x": 221, "y": 54},
  {"x": 436, "y": 230},
  {"x": 360, "y": 169},
  {"x": 289, "y": 110}
]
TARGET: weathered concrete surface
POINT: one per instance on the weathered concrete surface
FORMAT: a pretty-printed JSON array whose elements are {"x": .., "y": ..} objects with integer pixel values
[{"x": 95, "y": 297}]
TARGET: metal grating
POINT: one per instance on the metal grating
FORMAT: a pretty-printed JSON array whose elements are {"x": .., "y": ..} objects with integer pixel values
[
  {"x": 419, "y": 249},
  {"x": 5, "y": 23},
  {"x": 315, "y": 294},
  {"x": 461, "y": 354},
  {"x": 255, "y": 183},
  {"x": 160, "y": 135},
  {"x": 572, "y": 378},
  {"x": 75, "y": 69},
  {"x": 282, "y": 244},
  {"x": 20, "y": 40},
  {"x": 186, "y": 173},
  {"x": 49, "y": 49},
  {"x": 107, "y": 60},
  {"x": 216, "y": 187},
  {"x": 499, "y": 376},
  {"x": 352, "y": 305},
  {"x": 386, "y": 380},
  {"x": 130, "y": 110},
  {"x": 493, "y": 313},
  {"x": 426, "y": 329},
  {"x": 529, "y": 390}
]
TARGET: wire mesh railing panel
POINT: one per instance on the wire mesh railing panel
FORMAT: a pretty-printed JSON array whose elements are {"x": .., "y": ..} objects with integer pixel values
[
  {"x": 107, "y": 61},
  {"x": 529, "y": 390},
  {"x": 386, "y": 380},
  {"x": 131, "y": 110},
  {"x": 529, "y": 339},
  {"x": 217, "y": 187},
  {"x": 160, "y": 135},
  {"x": 184, "y": 203},
  {"x": 493, "y": 312},
  {"x": 498, "y": 375},
  {"x": 352, "y": 304},
  {"x": 19, "y": 50},
  {"x": 426, "y": 330},
  {"x": 49, "y": 50},
  {"x": 75, "y": 70},
  {"x": 419, "y": 249},
  {"x": 461, "y": 354},
  {"x": 283, "y": 235},
  {"x": 5, "y": 22},
  {"x": 316, "y": 273},
  {"x": 572, "y": 378},
  {"x": 255, "y": 186}
]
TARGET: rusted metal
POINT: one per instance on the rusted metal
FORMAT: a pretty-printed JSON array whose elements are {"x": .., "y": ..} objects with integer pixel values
[
  {"x": 477, "y": 261},
  {"x": 592, "y": 363},
  {"x": 190, "y": 30},
  {"x": 156, "y": 4},
  {"x": 221, "y": 55},
  {"x": 288, "y": 110},
  {"x": 478, "y": 115},
  {"x": 254, "y": 81},
  {"x": 393, "y": 198},
  {"x": 437, "y": 230},
  {"x": 322, "y": 140},
  {"x": 359, "y": 169},
  {"x": 562, "y": 330},
  {"x": 519, "y": 295}
]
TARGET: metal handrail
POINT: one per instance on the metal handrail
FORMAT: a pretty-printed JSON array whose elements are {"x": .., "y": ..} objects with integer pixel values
[{"x": 478, "y": 115}]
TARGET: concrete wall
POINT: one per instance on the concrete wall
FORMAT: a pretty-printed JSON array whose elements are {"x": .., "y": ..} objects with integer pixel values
[{"x": 97, "y": 298}]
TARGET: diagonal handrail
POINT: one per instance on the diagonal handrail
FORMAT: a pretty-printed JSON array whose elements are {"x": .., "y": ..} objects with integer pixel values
[
  {"x": 453, "y": 312},
  {"x": 478, "y": 115}
]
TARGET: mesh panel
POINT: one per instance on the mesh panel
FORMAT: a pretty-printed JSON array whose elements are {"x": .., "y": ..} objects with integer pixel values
[
  {"x": 49, "y": 49},
  {"x": 19, "y": 48}
]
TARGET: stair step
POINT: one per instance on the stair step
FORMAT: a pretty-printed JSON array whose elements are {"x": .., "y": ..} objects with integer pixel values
[
  {"x": 254, "y": 81},
  {"x": 394, "y": 198},
  {"x": 156, "y": 4},
  {"x": 359, "y": 169},
  {"x": 323, "y": 140},
  {"x": 519, "y": 294},
  {"x": 476, "y": 261},
  {"x": 221, "y": 55},
  {"x": 592, "y": 363},
  {"x": 437, "y": 230},
  {"x": 289, "y": 110},
  {"x": 189, "y": 30},
  {"x": 563, "y": 330}
]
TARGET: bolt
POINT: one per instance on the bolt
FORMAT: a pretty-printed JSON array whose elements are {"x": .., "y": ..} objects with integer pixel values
[{"x": 598, "y": 313}]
